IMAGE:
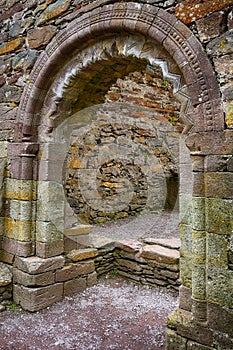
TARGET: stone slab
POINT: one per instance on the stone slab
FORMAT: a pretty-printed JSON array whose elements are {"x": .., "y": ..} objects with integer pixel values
[
  {"x": 35, "y": 265},
  {"x": 78, "y": 230},
  {"x": 74, "y": 286},
  {"x": 34, "y": 299},
  {"x": 25, "y": 279},
  {"x": 82, "y": 254},
  {"x": 160, "y": 254},
  {"x": 173, "y": 243},
  {"x": 72, "y": 271}
]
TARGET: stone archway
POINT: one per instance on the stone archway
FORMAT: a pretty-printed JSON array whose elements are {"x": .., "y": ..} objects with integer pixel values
[{"x": 43, "y": 90}]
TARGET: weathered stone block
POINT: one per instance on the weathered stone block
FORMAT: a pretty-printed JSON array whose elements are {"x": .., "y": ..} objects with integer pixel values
[
  {"x": 198, "y": 213},
  {"x": 199, "y": 282},
  {"x": 47, "y": 232},
  {"x": 217, "y": 163},
  {"x": 50, "y": 170},
  {"x": 172, "y": 243},
  {"x": 198, "y": 247},
  {"x": 53, "y": 10},
  {"x": 219, "y": 286},
  {"x": 78, "y": 230},
  {"x": 182, "y": 321},
  {"x": 37, "y": 37},
  {"x": 35, "y": 265},
  {"x": 3, "y": 149},
  {"x": 185, "y": 203},
  {"x": 219, "y": 185},
  {"x": 186, "y": 239},
  {"x": 50, "y": 204},
  {"x": 34, "y": 299},
  {"x": 129, "y": 246},
  {"x": 22, "y": 210},
  {"x": 28, "y": 280},
  {"x": 5, "y": 275},
  {"x": 220, "y": 319},
  {"x": 6, "y": 257},
  {"x": 221, "y": 45},
  {"x": 211, "y": 26},
  {"x": 185, "y": 295},
  {"x": 92, "y": 279},
  {"x": 217, "y": 250},
  {"x": 71, "y": 271},
  {"x": 175, "y": 341},
  {"x": 10, "y": 46},
  {"x": 219, "y": 215},
  {"x": 19, "y": 230},
  {"x": 49, "y": 249},
  {"x": 160, "y": 254},
  {"x": 20, "y": 189},
  {"x": 82, "y": 254},
  {"x": 130, "y": 265},
  {"x": 13, "y": 247},
  {"x": 186, "y": 268},
  {"x": 74, "y": 286}
]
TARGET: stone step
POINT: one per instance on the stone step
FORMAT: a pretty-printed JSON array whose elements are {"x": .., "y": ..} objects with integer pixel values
[{"x": 172, "y": 243}]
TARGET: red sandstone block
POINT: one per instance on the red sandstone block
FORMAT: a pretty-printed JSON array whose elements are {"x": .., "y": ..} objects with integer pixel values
[
  {"x": 50, "y": 249},
  {"x": 13, "y": 247},
  {"x": 34, "y": 299},
  {"x": 74, "y": 286},
  {"x": 71, "y": 271}
]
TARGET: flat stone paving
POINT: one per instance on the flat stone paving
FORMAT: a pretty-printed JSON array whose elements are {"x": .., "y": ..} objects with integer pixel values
[{"x": 115, "y": 314}]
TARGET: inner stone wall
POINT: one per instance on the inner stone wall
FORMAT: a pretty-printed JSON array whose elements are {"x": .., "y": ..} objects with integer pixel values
[{"x": 138, "y": 124}]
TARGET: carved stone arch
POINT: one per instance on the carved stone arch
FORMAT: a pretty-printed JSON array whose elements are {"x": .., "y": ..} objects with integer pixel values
[{"x": 135, "y": 18}]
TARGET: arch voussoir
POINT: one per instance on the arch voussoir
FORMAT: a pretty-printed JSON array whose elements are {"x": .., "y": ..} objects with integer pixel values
[{"x": 153, "y": 23}]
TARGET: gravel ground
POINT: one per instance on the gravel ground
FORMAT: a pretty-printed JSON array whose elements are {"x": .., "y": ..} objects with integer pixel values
[
  {"x": 164, "y": 224},
  {"x": 115, "y": 314}
]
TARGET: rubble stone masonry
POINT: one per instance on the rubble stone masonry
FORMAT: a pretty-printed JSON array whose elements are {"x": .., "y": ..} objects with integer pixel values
[{"x": 150, "y": 81}]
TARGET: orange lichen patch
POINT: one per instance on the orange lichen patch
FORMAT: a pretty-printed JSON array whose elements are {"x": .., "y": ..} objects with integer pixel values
[
  {"x": 229, "y": 115},
  {"x": 76, "y": 164},
  {"x": 190, "y": 10},
  {"x": 10, "y": 46}
]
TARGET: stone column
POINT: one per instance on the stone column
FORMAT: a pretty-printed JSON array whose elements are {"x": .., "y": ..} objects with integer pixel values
[
  {"x": 198, "y": 239},
  {"x": 20, "y": 199}
]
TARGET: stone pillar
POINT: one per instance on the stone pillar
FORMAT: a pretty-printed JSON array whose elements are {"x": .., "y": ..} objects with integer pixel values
[
  {"x": 198, "y": 239},
  {"x": 20, "y": 200},
  {"x": 51, "y": 200}
]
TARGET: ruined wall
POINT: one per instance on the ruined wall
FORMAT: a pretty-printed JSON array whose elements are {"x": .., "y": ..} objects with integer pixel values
[
  {"x": 204, "y": 319},
  {"x": 139, "y": 110}
]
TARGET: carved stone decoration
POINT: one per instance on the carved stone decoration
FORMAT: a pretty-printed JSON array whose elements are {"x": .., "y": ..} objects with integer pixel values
[{"x": 136, "y": 18}]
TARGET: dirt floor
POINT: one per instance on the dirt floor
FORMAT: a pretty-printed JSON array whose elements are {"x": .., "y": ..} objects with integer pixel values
[{"x": 115, "y": 314}]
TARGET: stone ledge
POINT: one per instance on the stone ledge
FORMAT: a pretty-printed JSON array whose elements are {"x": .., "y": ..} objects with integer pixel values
[
  {"x": 35, "y": 265},
  {"x": 82, "y": 254},
  {"x": 160, "y": 254}
]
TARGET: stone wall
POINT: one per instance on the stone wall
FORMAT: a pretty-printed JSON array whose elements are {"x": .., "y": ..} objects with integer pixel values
[
  {"x": 140, "y": 122},
  {"x": 192, "y": 41}
]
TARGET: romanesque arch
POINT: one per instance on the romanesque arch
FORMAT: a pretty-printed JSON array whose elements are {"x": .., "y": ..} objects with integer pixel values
[
  {"x": 147, "y": 20},
  {"x": 40, "y": 109}
]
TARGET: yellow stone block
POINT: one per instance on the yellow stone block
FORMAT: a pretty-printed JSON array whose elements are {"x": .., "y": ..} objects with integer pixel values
[
  {"x": 19, "y": 230},
  {"x": 20, "y": 189},
  {"x": 229, "y": 115}
]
